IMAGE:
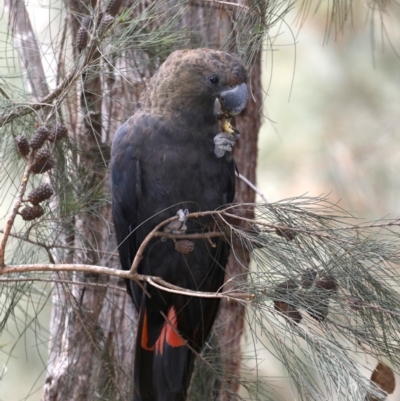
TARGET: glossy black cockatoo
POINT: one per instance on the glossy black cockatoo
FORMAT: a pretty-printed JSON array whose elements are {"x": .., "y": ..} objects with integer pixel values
[{"x": 174, "y": 156}]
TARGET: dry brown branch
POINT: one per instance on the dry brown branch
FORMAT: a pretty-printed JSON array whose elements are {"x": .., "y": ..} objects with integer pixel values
[
  {"x": 206, "y": 235},
  {"x": 252, "y": 186},
  {"x": 228, "y": 3},
  {"x": 27, "y": 268},
  {"x": 316, "y": 232},
  {"x": 225, "y": 214},
  {"x": 14, "y": 211},
  {"x": 232, "y": 295},
  {"x": 54, "y": 245},
  {"x": 155, "y": 232},
  {"x": 60, "y": 61},
  {"x": 60, "y": 281}
]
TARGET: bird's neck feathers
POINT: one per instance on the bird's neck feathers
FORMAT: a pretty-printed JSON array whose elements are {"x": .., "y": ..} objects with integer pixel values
[{"x": 188, "y": 108}]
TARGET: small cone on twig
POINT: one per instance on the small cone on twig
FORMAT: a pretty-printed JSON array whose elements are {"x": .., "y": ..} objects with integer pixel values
[
  {"x": 318, "y": 304},
  {"x": 355, "y": 303},
  {"x": 308, "y": 278},
  {"x": 43, "y": 161},
  {"x": 39, "y": 138},
  {"x": 22, "y": 145},
  {"x": 286, "y": 290},
  {"x": 384, "y": 378},
  {"x": 82, "y": 36},
  {"x": 289, "y": 311},
  {"x": 59, "y": 132},
  {"x": 285, "y": 232},
  {"x": 42, "y": 155},
  {"x": 29, "y": 213},
  {"x": 184, "y": 246},
  {"x": 327, "y": 283},
  {"x": 113, "y": 7},
  {"x": 318, "y": 309},
  {"x": 40, "y": 194},
  {"x": 106, "y": 21},
  {"x": 287, "y": 286}
]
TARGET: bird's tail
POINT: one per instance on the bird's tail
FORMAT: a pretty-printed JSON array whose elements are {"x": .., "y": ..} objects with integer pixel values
[{"x": 163, "y": 361}]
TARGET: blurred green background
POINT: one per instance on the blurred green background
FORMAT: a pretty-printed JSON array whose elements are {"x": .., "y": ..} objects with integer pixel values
[{"x": 331, "y": 126}]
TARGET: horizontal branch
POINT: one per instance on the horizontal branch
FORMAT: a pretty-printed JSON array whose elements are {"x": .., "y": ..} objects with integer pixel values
[
  {"x": 152, "y": 280},
  {"x": 54, "y": 245},
  {"x": 61, "y": 281},
  {"x": 156, "y": 233}
]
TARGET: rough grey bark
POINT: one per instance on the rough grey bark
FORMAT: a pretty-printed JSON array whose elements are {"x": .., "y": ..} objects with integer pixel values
[{"x": 92, "y": 328}]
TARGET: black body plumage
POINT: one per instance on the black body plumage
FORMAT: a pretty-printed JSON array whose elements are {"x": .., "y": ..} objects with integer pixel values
[{"x": 163, "y": 160}]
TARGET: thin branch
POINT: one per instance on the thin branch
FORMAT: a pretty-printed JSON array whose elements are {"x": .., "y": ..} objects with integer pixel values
[
  {"x": 380, "y": 309},
  {"x": 154, "y": 233},
  {"x": 60, "y": 62},
  {"x": 206, "y": 235},
  {"x": 59, "y": 281},
  {"x": 223, "y": 213},
  {"x": 317, "y": 233},
  {"x": 14, "y": 211},
  {"x": 234, "y": 295},
  {"x": 55, "y": 246},
  {"x": 252, "y": 186},
  {"x": 227, "y": 3},
  {"x": 168, "y": 287}
]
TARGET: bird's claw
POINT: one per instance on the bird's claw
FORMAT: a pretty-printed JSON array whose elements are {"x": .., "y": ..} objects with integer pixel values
[
  {"x": 178, "y": 226},
  {"x": 182, "y": 215},
  {"x": 224, "y": 142}
]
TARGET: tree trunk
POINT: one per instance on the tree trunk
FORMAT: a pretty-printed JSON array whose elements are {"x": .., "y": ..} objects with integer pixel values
[
  {"x": 93, "y": 328},
  {"x": 231, "y": 315}
]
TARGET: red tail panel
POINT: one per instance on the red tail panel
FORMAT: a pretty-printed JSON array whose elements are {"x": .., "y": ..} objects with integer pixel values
[
  {"x": 145, "y": 335},
  {"x": 169, "y": 333}
]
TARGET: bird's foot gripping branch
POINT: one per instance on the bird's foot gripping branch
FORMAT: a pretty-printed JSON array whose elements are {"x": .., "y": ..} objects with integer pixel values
[{"x": 225, "y": 141}]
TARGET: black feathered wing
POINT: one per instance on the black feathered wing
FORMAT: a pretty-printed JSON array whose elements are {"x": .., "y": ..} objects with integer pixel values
[
  {"x": 125, "y": 188},
  {"x": 154, "y": 174}
]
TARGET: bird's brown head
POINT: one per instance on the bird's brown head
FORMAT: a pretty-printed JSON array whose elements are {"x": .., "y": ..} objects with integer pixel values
[{"x": 198, "y": 84}]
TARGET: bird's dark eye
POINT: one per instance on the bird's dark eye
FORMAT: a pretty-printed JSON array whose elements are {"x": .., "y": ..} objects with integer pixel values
[{"x": 214, "y": 79}]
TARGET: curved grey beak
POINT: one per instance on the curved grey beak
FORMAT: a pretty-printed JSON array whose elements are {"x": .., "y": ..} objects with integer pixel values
[{"x": 234, "y": 100}]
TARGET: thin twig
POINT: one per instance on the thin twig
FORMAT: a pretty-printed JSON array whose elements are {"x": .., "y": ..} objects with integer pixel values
[
  {"x": 206, "y": 235},
  {"x": 55, "y": 246},
  {"x": 60, "y": 63},
  {"x": 14, "y": 211},
  {"x": 154, "y": 233},
  {"x": 227, "y": 3},
  {"x": 59, "y": 281},
  {"x": 379, "y": 309},
  {"x": 238, "y": 296},
  {"x": 252, "y": 186},
  {"x": 166, "y": 286},
  {"x": 318, "y": 232}
]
